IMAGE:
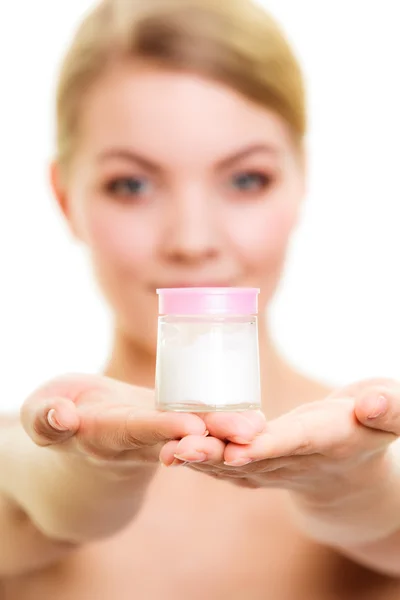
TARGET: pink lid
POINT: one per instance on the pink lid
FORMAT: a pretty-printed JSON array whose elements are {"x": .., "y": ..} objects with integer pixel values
[{"x": 208, "y": 301}]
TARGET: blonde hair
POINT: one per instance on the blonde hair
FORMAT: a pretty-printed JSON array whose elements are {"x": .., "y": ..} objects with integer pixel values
[{"x": 234, "y": 42}]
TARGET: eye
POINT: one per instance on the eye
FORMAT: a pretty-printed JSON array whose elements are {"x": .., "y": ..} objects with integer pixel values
[
  {"x": 128, "y": 186},
  {"x": 250, "y": 181}
]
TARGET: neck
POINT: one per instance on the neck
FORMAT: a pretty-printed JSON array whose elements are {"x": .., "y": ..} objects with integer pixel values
[
  {"x": 131, "y": 362},
  {"x": 283, "y": 388}
]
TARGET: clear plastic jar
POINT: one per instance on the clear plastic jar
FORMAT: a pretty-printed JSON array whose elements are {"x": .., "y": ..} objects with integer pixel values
[{"x": 207, "y": 351}]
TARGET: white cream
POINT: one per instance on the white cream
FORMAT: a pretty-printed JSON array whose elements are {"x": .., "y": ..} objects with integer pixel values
[{"x": 208, "y": 365}]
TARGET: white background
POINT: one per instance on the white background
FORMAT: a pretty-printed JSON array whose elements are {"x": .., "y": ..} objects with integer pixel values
[{"x": 337, "y": 314}]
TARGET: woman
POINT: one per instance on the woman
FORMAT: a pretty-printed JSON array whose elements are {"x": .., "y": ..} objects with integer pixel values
[{"x": 180, "y": 163}]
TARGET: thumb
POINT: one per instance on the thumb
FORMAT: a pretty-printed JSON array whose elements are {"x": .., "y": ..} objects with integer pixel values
[
  {"x": 50, "y": 415},
  {"x": 378, "y": 407},
  {"x": 50, "y": 420}
]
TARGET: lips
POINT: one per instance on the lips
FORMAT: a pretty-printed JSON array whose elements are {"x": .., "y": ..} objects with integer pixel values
[{"x": 196, "y": 284}]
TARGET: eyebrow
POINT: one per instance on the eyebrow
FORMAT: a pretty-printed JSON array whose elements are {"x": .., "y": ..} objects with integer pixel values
[
  {"x": 129, "y": 156},
  {"x": 134, "y": 157},
  {"x": 245, "y": 152}
]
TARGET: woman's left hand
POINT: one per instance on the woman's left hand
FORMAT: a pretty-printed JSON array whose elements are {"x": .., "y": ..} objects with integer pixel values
[{"x": 334, "y": 456}]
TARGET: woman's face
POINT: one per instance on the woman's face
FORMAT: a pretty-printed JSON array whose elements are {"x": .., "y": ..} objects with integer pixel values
[{"x": 179, "y": 181}]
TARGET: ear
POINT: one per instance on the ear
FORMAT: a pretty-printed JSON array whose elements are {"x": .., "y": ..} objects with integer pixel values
[{"x": 60, "y": 192}]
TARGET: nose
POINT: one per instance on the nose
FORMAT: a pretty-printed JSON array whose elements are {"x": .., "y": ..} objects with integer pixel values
[{"x": 191, "y": 232}]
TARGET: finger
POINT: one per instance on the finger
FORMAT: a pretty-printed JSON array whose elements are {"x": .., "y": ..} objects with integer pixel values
[
  {"x": 167, "y": 454},
  {"x": 291, "y": 434},
  {"x": 50, "y": 420},
  {"x": 50, "y": 415},
  {"x": 240, "y": 427},
  {"x": 111, "y": 429},
  {"x": 200, "y": 449},
  {"x": 113, "y": 416},
  {"x": 332, "y": 432},
  {"x": 378, "y": 406}
]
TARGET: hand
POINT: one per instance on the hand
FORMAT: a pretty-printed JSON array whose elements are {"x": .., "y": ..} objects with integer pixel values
[
  {"x": 334, "y": 456},
  {"x": 106, "y": 421},
  {"x": 103, "y": 421},
  {"x": 101, "y": 443}
]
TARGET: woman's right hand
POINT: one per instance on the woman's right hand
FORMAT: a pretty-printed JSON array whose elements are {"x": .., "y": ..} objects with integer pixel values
[{"x": 103, "y": 420}]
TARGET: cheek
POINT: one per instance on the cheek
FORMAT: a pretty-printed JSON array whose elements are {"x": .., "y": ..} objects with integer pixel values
[
  {"x": 264, "y": 239},
  {"x": 122, "y": 251},
  {"x": 118, "y": 240}
]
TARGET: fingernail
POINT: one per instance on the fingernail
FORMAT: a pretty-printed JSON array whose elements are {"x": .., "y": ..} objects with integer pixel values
[
  {"x": 175, "y": 463},
  {"x": 178, "y": 463},
  {"x": 377, "y": 406},
  {"x": 236, "y": 439},
  {"x": 54, "y": 422},
  {"x": 238, "y": 462},
  {"x": 195, "y": 457}
]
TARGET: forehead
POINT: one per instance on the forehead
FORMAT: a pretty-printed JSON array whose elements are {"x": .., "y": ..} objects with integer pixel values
[{"x": 165, "y": 114}]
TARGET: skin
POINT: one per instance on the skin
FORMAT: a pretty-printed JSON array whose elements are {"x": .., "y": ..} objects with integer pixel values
[
  {"x": 197, "y": 186},
  {"x": 216, "y": 206}
]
